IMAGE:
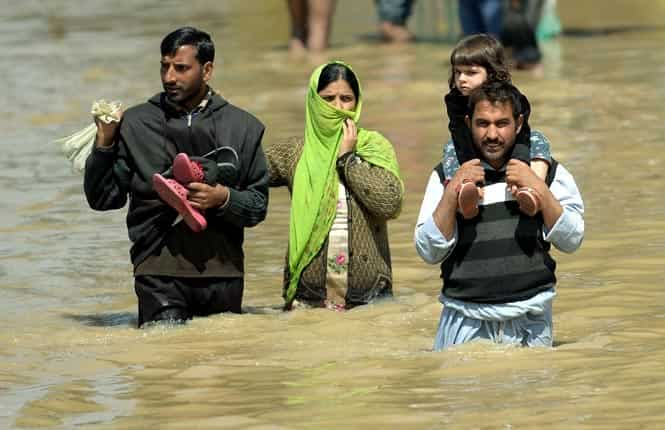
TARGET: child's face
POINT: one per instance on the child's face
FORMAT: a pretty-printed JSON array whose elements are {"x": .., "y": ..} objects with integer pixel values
[{"x": 468, "y": 78}]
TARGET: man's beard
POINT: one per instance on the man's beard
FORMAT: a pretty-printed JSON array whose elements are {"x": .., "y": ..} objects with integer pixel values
[
  {"x": 178, "y": 95},
  {"x": 493, "y": 150},
  {"x": 174, "y": 93}
]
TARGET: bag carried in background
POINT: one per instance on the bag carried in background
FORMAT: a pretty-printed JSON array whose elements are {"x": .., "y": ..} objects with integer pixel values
[{"x": 549, "y": 25}]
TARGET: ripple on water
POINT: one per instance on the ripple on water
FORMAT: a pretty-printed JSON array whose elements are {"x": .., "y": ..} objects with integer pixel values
[{"x": 74, "y": 359}]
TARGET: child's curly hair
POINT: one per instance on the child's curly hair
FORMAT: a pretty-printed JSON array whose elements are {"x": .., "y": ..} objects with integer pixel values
[{"x": 480, "y": 50}]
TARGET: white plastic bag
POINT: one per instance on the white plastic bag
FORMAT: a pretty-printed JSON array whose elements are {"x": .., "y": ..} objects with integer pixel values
[{"x": 76, "y": 147}]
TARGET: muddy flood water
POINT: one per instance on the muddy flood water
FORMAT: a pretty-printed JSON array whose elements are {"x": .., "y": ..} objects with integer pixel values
[{"x": 71, "y": 357}]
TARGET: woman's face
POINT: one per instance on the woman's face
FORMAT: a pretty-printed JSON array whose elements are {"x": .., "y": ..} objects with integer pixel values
[{"x": 339, "y": 94}]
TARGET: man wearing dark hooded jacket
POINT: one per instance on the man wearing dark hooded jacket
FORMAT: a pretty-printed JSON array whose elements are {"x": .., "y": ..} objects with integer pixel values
[{"x": 179, "y": 273}]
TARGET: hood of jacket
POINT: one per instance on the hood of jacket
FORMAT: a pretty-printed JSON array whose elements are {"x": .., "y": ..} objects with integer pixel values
[
  {"x": 215, "y": 102},
  {"x": 193, "y": 132}
]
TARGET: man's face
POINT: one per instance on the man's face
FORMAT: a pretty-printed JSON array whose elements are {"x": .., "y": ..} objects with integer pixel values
[
  {"x": 494, "y": 129},
  {"x": 184, "y": 79}
]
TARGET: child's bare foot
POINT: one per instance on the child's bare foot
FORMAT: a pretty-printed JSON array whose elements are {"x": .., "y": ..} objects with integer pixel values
[
  {"x": 467, "y": 199},
  {"x": 528, "y": 201}
]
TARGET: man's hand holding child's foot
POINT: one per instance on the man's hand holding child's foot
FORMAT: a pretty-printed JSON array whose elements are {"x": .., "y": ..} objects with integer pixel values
[
  {"x": 524, "y": 184},
  {"x": 468, "y": 193}
]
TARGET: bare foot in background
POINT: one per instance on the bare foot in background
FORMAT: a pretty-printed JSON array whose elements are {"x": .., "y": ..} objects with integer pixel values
[
  {"x": 311, "y": 21},
  {"x": 297, "y": 47},
  {"x": 395, "y": 33},
  {"x": 534, "y": 69}
]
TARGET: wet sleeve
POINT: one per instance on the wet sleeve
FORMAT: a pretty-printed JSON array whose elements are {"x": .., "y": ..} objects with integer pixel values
[
  {"x": 567, "y": 232},
  {"x": 102, "y": 182},
  {"x": 247, "y": 204},
  {"x": 432, "y": 246},
  {"x": 281, "y": 160}
]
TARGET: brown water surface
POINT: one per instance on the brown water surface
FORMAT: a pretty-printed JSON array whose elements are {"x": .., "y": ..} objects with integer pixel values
[{"x": 71, "y": 356}]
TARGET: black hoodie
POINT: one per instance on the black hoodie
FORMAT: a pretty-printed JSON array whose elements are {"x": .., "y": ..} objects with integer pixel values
[
  {"x": 149, "y": 137},
  {"x": 457, "y": 106}
]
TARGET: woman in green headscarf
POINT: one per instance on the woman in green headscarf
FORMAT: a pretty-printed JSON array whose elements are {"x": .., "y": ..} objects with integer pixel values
[{"x": 345, "y": 185}]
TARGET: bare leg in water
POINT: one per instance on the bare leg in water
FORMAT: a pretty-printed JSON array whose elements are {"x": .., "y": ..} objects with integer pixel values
[
  {"x": 320, "y": 20},
  {"x": 310, "y": 24},
  {"x": 393, "y": 15},
  {"x": 298, "y": 12}
]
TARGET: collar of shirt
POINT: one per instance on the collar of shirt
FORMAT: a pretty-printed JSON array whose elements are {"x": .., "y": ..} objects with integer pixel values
[
  {"x": 197, "y": 109},
  {"x": 487, "y": 166}
]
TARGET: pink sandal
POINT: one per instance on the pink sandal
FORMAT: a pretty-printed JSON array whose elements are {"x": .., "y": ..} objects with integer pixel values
[
  {"x": 186, "y": 170},
  {"x": 175, "y": 195},
  {"x": 467, "y": 199},
  {"x": 528, "y": 201}
]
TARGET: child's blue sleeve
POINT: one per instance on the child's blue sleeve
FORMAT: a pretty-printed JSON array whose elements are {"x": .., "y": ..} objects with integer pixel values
[
  {"x": 450, "y": 162},
  {"x": 540, "y": 147}
]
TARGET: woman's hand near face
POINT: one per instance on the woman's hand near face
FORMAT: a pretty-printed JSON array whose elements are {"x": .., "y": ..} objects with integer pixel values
[{"x": 349, "y": 136}]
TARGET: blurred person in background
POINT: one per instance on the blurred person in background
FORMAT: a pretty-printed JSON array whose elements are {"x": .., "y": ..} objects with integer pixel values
[
  {"x": 480, "y": 16},
  {"x": 311, "y": 22},
  {"x": 518, "y": 33},
  {"x": 393, "y": 15}
]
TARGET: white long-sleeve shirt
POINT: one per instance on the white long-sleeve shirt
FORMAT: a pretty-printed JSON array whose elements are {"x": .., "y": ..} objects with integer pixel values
[{"x": 566, "y": 234}]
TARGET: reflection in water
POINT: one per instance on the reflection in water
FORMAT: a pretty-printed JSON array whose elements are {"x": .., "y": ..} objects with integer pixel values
[
  {"x": 105, "y": 319},
  {"x": 72, "y": 357}
]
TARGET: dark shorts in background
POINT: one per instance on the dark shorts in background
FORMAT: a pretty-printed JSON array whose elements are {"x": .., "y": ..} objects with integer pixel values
[{"x": 184, "y": 298}]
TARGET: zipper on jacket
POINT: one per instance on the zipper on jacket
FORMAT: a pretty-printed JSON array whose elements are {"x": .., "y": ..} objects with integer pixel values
[{"x": 189, "y": 129}]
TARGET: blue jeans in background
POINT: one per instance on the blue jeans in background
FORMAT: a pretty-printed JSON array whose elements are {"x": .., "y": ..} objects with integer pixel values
[
  {"x": 480, "y": 16},
  {"x": 394, "y": 11}
]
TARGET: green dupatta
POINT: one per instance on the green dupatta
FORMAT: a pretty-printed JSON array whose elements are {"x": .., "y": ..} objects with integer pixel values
[{"x": 315, "y": 183}]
